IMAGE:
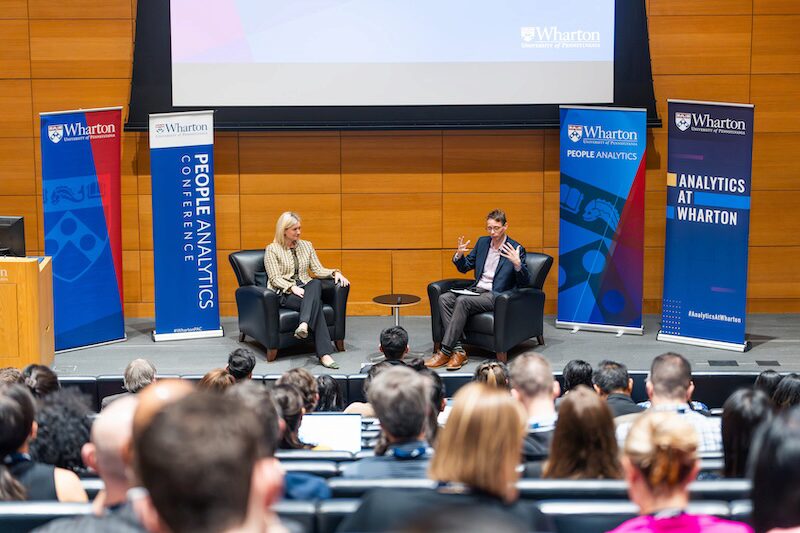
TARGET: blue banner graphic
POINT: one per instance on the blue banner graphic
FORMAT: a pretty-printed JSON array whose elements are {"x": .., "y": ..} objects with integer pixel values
[
  {"x": 710, "y": 156},
  {"x": 82, "y": 224},
  {"x": 184, "y": 228},
  {"x": 601, "y": 231}
]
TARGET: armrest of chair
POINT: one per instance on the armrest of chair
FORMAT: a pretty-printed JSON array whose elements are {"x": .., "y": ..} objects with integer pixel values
[
  {"x": 518, "y": 315},
  {"x": 336, "y": 296},
  {"x": 435, "y": 290},
  {"x": 258, "y": 310}
]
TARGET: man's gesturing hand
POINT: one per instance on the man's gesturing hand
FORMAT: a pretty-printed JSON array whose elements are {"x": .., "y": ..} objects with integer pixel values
[
  {"x": 462, "y": 247},
  {"x": 511, "y": 253}
]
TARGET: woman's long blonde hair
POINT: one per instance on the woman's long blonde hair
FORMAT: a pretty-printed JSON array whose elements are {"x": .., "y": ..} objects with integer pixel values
[
  {"x": 285, "y": 221},
  {"x": 481, "y": 444}
]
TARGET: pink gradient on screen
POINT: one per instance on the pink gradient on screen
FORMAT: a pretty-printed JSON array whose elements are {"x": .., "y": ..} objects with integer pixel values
[{"x": 207, "y": 31}]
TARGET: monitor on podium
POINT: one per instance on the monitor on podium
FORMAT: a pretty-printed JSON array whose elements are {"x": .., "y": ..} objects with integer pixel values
[{"x": 12, "y": 236}]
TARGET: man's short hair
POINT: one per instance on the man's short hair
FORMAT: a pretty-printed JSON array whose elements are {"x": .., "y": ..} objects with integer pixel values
[
  {"x": 531, "y": 375},
  {"x": 196, "y": 460},
  {"x": 497, "y": 215},
  {"x": 138, "y": 374},
  {"x": 670, "y": 375},
  {"x": 401, "y": 400},
  {"x": 303, "y": 381},
  {"x": 394, "y": 342},
  {"x": 258, "y": 399},
  {"x": 241, "y": 363},
  {"x": 577, "y": 372},
  {"x": 610, "y": 376}
]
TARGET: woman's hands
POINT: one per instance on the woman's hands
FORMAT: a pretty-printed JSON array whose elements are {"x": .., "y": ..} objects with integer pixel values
[
  {"x": 339, "y": 278},
  {"x": 297, "y": 291}
]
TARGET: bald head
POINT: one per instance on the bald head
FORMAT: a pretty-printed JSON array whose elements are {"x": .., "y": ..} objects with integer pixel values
[
  {"x": 111, "y": 434},
  {"x": 154, "y": 397}
]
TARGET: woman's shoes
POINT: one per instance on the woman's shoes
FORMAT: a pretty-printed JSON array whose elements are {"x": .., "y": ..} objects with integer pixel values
[
  {"x": 301, "y": 332},
  {"x": 332, "y": 365}
]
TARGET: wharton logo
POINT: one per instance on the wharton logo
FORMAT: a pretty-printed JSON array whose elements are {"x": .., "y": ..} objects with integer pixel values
[
  {"x": 55, "y": 132},
  {"x": 683, "y": 120},
  {"x": 552, "y": 37},
  {"x": 169, "y": 129},
  {"x": 599, "y": 135},
  {"x": 77, "y": 131},
  {"x": 574, "y": 132},
  {"x": 705, "y": 123}
]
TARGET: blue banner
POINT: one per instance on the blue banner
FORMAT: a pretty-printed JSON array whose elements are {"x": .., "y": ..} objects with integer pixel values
[
  {"x": 82, "y": 224},
  {"x": 601, "y": 230},
  {"x": 710, "y": 155},
  {"x": 184, "y": 227}
]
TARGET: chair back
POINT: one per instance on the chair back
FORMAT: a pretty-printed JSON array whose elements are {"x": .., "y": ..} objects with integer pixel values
[
  {"x": 538, "y": 267},
  {"x": 246, "y": 265}
]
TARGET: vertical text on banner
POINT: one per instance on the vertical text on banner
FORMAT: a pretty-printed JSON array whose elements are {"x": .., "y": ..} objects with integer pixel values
[
  {"x": 601, "y": 229},
  {"x": 81, "y": 202},
  {"x": 184, "y": 227},
  {"x": 709, "y": 164}
]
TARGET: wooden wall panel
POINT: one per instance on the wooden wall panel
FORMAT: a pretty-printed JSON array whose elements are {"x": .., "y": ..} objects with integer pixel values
[
  {"x": 773, "y": 272},
  {"x": 17, "y": 174},
  {"x": 129, "y": 168},
  {"x": 13, "y": 9},
  {"x": 391, "y": 221},
  {"x": 776, "y": 7},
  {"x": 321, "y": 214},
  {"x": 130, "y": 222},
  {"x": 370, "y": 275},
  {"x": 14, "y": 49},
  {"x": 719, "y": 88},
  {"x": 776, "y": 101},
  {"x": 144, "y": 183},
  {"x": 552, "y": 161},
  {"x": 61, "y": 95},
  {"x": 655, "y": 217},
  {"x": 551, "y": 213},
  {"x": 146, "y": 275},
  {"x": 392, "y": 164},
  {"x": 551, "y": 285},
  {"x": 15, "y": 108},
  {"x": 465, "y": 214},
  {"x": 449, "y": 270},
  {"x": 226, "y": 164},
  {"x": 131, "y": 276},
  {"x": 656, "y": 164},
  {"x": 145, "y": 222},
  {"x": 774, "y": 163},
  {"x": 776, "y": 46},
  {"x": 225, "y": 276},
  {"x": 702, "y": 7},
  {"x": 412, "y": 271},
  {"x": 773, "y": 219},
  {"x": 79, "y": 9},
  {"x": 24, "y": 206},
  {"x": 228, "y": 224}
]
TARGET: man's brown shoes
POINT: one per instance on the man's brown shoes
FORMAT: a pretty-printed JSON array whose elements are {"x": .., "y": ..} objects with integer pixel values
[
  {"x": 438, "y": 359},
  {"x": 457, "y": 360}
]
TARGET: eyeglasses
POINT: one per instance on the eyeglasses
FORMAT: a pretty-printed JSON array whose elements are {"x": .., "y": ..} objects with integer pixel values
[{"x": 494, "y": 229}]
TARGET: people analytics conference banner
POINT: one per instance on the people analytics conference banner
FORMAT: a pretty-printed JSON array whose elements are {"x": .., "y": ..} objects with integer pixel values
[
  {"x": 709, "y": 163},
  {"x": 82, "y": 224},
  {"x": 184, "y": 228},
  {"x": 601, "y": 231}
]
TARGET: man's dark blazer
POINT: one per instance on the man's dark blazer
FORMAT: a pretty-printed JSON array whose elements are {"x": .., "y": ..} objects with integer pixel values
[
  {"x": 505, "y": 277},
  {"x": 622, "y": 404}
]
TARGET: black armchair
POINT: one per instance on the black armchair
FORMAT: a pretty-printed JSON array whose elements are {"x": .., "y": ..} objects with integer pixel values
[
  {"x": 261, "y": 316},
  {"x": 518, "y": 314}
]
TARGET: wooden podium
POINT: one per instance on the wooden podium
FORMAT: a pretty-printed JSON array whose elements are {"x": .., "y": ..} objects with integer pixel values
[{"x": 26, "y": 311}]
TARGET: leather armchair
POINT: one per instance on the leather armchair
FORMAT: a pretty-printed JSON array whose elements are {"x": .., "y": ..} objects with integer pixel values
[
  {"x": 518, "y": 314},
  {"x": 261, "y": 316}
]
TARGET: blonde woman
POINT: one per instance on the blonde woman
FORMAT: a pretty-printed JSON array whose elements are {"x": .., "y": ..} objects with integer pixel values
[{"x": 287, "y": 261}]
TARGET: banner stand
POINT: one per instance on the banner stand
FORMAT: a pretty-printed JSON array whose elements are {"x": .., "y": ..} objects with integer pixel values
[
  {"x": 188, "y": 335},
  {"x": 95, "y": 345},
  {"x": 619, "y": 330},
  {"x": 706, "y": 343}
]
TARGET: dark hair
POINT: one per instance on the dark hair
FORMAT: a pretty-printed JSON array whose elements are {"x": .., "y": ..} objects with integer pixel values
[
  {"x": 10, "y": 375},
  {"x": 577, "y": 372},
  {"x": 258, "y": 399},
  {"x": 670, "y": 375},
  {"x": 65, "y": 425},
  {"x": 768, "y": 381},
  {"x": 216, "y": 380},
  {"x": 498, "y": 215},
  {"x": 373, "y": 371},
  {"x": 610, "y": 376},
  {"x": 241, "y": 363},
  {"x": 330, "y": 394},
  {"x": 438, "y": 394},
  {"x": 41, "y": 380},
  {"x": 304, "y": 382},
  {"x": 584, "y": 444},
  {"x": 394, "y": 342},
  {"x": 17, "y": 412},
  {"x": 787, "y": 394},
  {"x": 774, "y": 464},
  {"x": 196, "y": 459},
  {"x": 493, "y": 373},
  {"x": 290, "y": 401},
  {"x": 742, "y": 413}
]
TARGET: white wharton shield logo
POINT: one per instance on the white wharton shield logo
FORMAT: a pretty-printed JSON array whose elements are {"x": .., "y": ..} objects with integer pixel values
[
  {"x": 683, "y": 120},
  {"x": 574, "y": 132},
  {"x": 55, "y": 132}
]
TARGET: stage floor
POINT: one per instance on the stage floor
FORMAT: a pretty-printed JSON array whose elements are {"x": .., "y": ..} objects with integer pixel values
[{"x": 775, "y": 344}]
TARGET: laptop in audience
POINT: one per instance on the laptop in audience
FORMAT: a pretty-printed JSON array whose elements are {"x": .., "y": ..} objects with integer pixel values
[{"x": 332, "y": 431}]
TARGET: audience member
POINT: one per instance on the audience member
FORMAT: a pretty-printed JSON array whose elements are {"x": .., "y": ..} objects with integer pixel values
[
  {"x": 775, "y": 470},
  {"x": 241, "y": 363},
  {"x": 611, "y": 381},
  {"x": 669, "y": 387},
  {"x": 401, "y": 399},
  {"x": 138, "y": 374},
  {"x": 394, "y": 343},
  {"x": 330, "y": 394},
  {"x": 203, "y": 463},
  {"x": 457, "y": 519},
  {"x": 768, "y": 381},
  {"x": 743, "y": 412},
  {"x": 304, "y": 382},
  {"x": 364, "y": 408},
  {"x": 493, "y": 373},
  {"x": 787, "y": 393},
  {"x": 533, "y": 385},
  {"x": 64, "y": 421},
  {"x": 290, "y": 402},
  {"x": 217, "y": 380},
  {"x": 438, "y": 399},
  {"x": 40, "y": 380},
  {"x": 475, "y": 464},
  {"x": 584, "y": 445},
  {"x": 10, "y": 376},
  {"x": 660, "y": 461},
  {"x": 577, "y": 372},
  {"x": 22, "y": 478}
]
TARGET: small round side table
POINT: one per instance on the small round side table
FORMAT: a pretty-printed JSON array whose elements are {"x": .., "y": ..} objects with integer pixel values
[{"x": 396, "y": 301}]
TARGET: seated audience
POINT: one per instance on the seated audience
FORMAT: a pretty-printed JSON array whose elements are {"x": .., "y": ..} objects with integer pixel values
[
  {"x": 138, "y": 374},
  {"x": 438, "y": 399},
  {"x": 532, "y": 384},
  {"x": 670, "y": 389},
  {"x": 775, "y": 471},
  {"x": 400, "y": 397},
  {"x": 611, "y": 382},
  {"x": 660, "y": 460},
  {"x": 330, "y": 394},
  {"x": 475, "y": 464},
  {"x": 393, "y": 345},
  {"x": 290, "y": 402},
  {"x": 493, "y": 373},
  {"x": 742, "y": 414},
  {"x": 10, "y": 376},
  {"x": 768, "y": 381},
  {"x": 787, "y": 393},
  {"x": 64, "y": 423},
  {"x": 203, "y": 463},
  {"x": 304, "y": 382},
  {"x": 584, "y": 445},
  {"x": 22, "y": 478},
  {"x": 456, "y": 519},
  {"x": 577, "y": 372},
  {"x": 241, "y": 363},
  {"x": 364, "y": 408},
  {"x": 217, "y": 380},
  {"x": 40, "y": 380}
]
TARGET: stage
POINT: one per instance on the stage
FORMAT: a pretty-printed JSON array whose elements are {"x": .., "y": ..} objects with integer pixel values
[{"x": 775, "y": 340}]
